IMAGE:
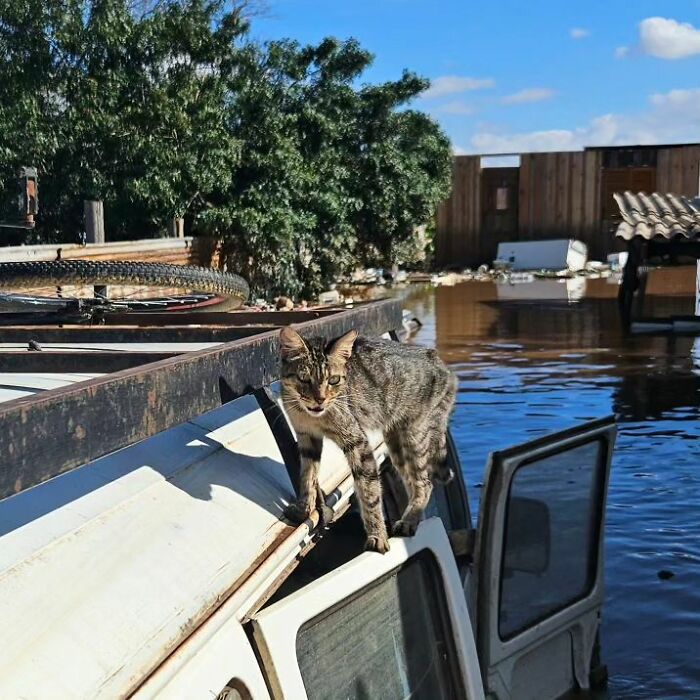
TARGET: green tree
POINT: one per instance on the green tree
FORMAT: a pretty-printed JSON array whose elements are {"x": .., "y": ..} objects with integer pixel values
[
  {"x": 331, "y": 174},
  {"x": 166, "y": 108}
]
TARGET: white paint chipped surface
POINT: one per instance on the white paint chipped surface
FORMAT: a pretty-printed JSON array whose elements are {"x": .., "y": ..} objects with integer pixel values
[{"x": 104, "y": 570}]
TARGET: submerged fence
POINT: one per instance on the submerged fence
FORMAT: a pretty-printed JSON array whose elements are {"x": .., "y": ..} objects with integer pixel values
[{"x": 553, "y": 195}]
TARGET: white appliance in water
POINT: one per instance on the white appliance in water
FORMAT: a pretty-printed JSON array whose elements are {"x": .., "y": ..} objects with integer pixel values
[{"x": 558, "y": 254}]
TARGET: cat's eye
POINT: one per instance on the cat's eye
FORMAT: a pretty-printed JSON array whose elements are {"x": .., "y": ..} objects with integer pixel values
[
  {"x": 335, "y": 379},
  {"x": 304, "y": 376}
]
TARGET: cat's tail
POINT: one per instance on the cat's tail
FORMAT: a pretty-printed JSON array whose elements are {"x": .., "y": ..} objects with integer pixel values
[{"x": 442, "y": 473}]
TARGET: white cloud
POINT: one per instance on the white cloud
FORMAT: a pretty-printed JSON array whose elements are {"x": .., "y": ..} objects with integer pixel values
[
  {"x": 500, "y": 162},
  {"x": 528, "y": 95},
  {"x": 677, "y": 102},
  {"x": 669, "y": 39},
  {"x": 622, "y": 51},
  {"x": 455, "y": 107},
  {"x": 672, "y": 117},
  {"x": 579, "y": 33},
  {"x": 553, "y": 140},
  {"x": 452, "y": 84}
]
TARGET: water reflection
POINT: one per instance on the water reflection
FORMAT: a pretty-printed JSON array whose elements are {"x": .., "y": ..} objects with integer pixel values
[{"x": 536, "y": 362}]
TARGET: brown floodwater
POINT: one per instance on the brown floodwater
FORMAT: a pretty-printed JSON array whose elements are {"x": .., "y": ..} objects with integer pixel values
[{"x": 536, "y": 358}]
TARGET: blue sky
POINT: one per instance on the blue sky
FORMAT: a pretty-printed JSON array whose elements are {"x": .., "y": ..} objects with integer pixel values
[{"x": 526, "y": 76}]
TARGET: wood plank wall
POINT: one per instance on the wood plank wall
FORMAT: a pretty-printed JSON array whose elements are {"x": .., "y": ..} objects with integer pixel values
[
  {"x": 560, "y": 197},
  {"x": 457, "y": 240},
  {"x": 678, "y": 170}
]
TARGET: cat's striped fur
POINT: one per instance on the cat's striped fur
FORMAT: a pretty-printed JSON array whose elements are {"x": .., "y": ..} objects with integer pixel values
[{"x": 343, "y": 388}]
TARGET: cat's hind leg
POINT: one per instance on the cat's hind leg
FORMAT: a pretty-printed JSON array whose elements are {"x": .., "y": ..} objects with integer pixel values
[
  {"x": 416, "y": 442},
  {"x": 440, "y": 424},
  {"x": 368, "y": 487}
]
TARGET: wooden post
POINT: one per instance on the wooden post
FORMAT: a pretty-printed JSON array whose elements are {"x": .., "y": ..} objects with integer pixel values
[
  {"x": 94, "y": 221},
  {"x": 95, "y": 233},
  {"x": 630, "y": 279},
  {"x": 177, "y": 228},
  {"x": 642, "y": 276}
]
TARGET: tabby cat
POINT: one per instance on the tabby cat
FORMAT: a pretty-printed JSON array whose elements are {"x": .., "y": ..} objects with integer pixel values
[{"x": 343, "y": 388}]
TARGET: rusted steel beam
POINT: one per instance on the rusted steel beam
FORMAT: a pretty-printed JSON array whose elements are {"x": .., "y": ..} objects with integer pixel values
[
  {"x": 166, "y": 318},
  {"x": 217, "y": 318},
  {"x": 99, "y": 362},
  {"x": 53, "y": 432},
  {"x": 128, "y": 334}
]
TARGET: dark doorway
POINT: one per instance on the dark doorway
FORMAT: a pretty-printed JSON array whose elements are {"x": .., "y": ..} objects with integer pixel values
[{"x": 499, "y": 208}]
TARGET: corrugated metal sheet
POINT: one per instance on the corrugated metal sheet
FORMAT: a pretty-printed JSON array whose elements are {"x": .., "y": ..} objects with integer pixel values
[{"x": 665, "y": 215}]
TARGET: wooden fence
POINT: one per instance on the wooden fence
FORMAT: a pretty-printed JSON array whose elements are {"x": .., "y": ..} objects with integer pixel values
[
  {"x": 459, "y": 218},
  {"x": 678, "y": 170},
  {"x": 179, "y": 251},
  {"x": 558, "y": 195}
]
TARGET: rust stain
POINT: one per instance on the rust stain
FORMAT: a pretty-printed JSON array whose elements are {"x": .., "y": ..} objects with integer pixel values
[
  {"x": 136, "y": 403},
  {"x": 191, "y": 626}
]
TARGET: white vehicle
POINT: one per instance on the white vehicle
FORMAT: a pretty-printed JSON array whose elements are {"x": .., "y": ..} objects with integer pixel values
[
  {"x": 559, "y": 254},
  {"x": 164, "y": 569}
]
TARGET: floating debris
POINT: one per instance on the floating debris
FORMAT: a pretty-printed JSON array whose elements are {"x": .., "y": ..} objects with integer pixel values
[
  {"x": 284, "y": 304},
  {"x": 330, "y": 297}
]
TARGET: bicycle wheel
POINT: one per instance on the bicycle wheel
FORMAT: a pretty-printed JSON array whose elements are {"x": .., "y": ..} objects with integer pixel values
[{"x": 57, "y": 273}]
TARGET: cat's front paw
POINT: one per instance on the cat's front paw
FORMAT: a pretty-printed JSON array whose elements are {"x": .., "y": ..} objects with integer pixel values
[
  {"x": 404, "y": 528},
  {"x": 377, "y": 544},
  {"x": 297, "y": 512},
  {"x": 325, "y": 516}
]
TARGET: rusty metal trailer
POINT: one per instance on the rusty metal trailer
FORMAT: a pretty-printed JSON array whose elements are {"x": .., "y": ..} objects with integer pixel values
[
  {"x": 144, "y": 552},
  {"x": 141, "y": 392}
]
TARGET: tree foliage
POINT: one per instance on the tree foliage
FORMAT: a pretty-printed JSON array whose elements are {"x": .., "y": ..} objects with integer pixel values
[{"x": 165, "y": 109}]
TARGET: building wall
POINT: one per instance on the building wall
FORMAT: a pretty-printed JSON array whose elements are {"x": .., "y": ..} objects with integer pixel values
[
  {"x": 678, "y": 170},
  {"x": 459, "y": 218},
  {"x": 560, "y": 195}
]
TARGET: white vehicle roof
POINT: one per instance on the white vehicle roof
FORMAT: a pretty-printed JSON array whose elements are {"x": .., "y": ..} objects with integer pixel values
[{"x": 104, "y": 570}]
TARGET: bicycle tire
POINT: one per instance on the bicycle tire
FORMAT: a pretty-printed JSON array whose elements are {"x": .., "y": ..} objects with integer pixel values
[{"x": 57, "y": 273}]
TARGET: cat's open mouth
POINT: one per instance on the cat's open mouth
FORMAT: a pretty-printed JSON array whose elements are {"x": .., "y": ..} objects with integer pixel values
[{"x": 315, "y": 410}]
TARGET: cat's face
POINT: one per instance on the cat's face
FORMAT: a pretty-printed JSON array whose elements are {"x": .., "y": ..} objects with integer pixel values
[{"x": 313, "y": 373}]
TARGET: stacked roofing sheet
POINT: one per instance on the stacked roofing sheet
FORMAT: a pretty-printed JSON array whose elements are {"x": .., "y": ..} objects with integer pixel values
[{"x": 665, "y": 215}]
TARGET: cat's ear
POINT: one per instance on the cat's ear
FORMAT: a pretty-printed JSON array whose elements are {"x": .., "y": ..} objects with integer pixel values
[
  {"x": 342, "y": 348},
  {"x": 291, "y": 343}
]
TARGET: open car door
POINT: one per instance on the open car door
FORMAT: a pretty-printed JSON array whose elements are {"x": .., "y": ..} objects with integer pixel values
[
  {"x": 539, "y": 558},
  {"x": 380, "y": 626}
]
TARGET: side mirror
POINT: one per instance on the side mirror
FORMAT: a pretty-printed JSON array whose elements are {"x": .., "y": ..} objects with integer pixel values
[{"x": 528, "y": 537}]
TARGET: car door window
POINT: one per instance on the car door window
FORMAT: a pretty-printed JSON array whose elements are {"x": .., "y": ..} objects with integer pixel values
[
  {"x": 569, "y": 489},
  {"x": 389, "y": 626},
  {"x": 539, "y": 575},
  {"x": 392, "y": 640}
]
